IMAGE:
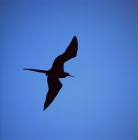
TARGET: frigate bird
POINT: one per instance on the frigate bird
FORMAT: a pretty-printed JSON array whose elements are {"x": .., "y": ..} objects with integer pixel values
[{"x": 57, "y": 71}]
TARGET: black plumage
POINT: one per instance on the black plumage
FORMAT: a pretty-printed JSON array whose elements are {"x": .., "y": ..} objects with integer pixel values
[{"x": 57, "y": 71}]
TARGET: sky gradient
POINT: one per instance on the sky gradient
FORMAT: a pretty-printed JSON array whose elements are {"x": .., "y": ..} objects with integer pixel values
[{"x": 101, "y": 102}]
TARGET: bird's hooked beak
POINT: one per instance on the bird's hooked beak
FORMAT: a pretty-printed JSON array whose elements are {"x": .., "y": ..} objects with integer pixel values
[{"x": 71, "y": 75}]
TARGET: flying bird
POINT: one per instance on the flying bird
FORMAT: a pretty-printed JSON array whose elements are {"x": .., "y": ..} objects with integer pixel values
[{"x": 57, "y": 71}]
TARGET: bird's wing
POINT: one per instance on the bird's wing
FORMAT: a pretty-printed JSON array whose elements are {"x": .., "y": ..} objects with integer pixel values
[
  {"x": 69, "y": 53},
  {"x": 54, "y": 86}
]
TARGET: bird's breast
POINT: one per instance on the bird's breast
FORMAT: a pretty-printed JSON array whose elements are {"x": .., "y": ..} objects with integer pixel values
[{"x": 57, "y": 74}]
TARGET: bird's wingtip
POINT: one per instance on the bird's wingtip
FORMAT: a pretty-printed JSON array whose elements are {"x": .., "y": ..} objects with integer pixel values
[
  {"x": 44, "y": 109},
  {"x": 74, "y": 38}
]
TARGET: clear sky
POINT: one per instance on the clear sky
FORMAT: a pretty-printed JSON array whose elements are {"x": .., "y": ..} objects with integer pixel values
[{"x": 101, "y": 102}]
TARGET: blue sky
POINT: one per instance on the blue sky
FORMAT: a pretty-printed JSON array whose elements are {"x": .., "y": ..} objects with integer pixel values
[{"x": 101, "y": 102}]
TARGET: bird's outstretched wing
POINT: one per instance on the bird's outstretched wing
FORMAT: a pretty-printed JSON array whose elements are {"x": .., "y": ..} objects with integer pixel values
[
  {"x": 69, "y": 53},
  {"x": 54, "y": 86}
]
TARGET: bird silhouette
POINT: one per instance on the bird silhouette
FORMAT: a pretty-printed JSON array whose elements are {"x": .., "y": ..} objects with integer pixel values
[{"x": 57, "y": 71}]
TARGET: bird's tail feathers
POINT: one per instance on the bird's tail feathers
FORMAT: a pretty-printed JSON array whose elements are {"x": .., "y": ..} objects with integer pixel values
[{"x": 36, "y": 70}]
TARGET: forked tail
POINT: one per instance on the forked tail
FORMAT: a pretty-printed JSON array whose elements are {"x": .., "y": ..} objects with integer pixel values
[{"x": 36, "y": 70}]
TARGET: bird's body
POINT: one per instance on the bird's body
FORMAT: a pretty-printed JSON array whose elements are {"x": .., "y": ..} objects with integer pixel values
[{"x": 57, "y": 71}]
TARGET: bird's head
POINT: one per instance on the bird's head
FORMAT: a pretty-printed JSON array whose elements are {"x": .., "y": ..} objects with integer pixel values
[{"x": 67, "y": 74}]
